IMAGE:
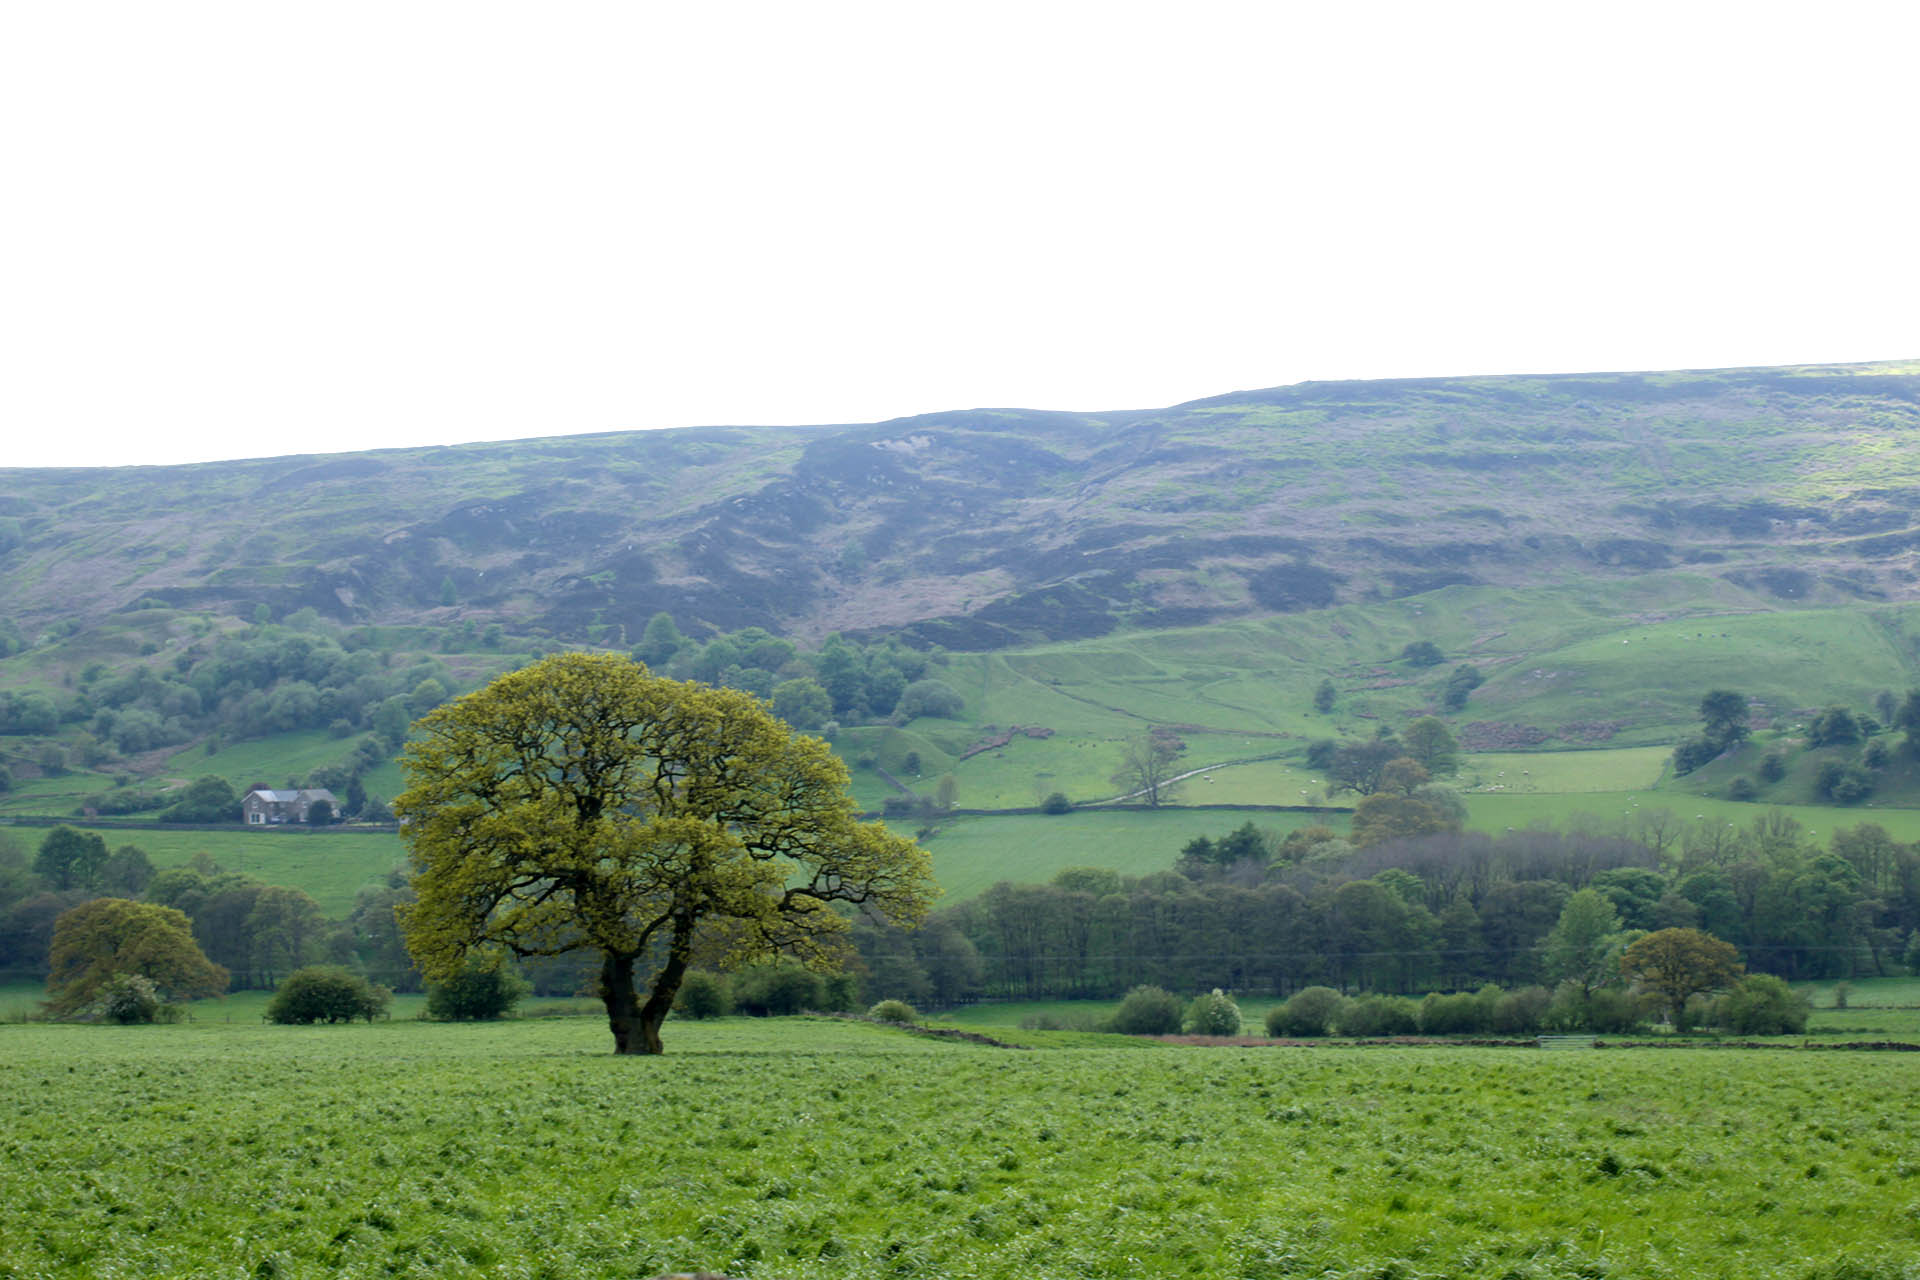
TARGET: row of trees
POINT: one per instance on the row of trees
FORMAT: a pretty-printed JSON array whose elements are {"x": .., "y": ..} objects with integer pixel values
[{"x": 1252, "y": 911}]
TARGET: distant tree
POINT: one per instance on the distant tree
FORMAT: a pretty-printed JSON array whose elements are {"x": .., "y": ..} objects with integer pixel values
[
  {"x": 895, "y": 1011},
  {"x": 1580, "y": 949},
  {"x": 1433, "y": 745},
  {"x": 98, "y": 939},
  {"x": 1323, "y": 697},
  {"x": 1773, "y": 767},
  {"x": 126, "y": 873},
  {"x": 660, "y": 641},
  {"x": 70, "y": 859},
  {"x": 1676, "y": 964},
  {"x": 1056, "y": 803},
  {"x": 320, "y": 814},
  {"x": 931, "y": 698},
  {"x": 1147, "y": 767},
  {"x": 1320, "y": 754},
  {"x": 1213, "y": 1014},
  {"x": 1403, "y": 776},
  {"x": 326, "y": 993},
  {"x": 802, "y": 703},
  {"x": 1396, "y": 815},
  {"x": 1725, "y": 715},
  {"x": 1690, "y": 753},
  {"x": 1834, "y": 726},
  {"x": 283, "y": 930},
  {"x": 946, "y": 793},
  {"x": 485, "y": 988},
  {"x": 1147, "y": 1011},
  {"x": 449, "y": 594},
  {"x": 1422, "y": 653},
  {"x": 1357, "y": 766},
  {"x": 1742, "y": 788}
]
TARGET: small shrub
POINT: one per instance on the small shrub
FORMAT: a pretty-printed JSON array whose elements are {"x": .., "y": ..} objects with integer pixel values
[
  {"x": 326, "y": 993},
  {"x": 1309, "y": 1012},
  {"x": 1773, "y": 766},
  {"x": 703, "y": 995},
  {"x": 1056, "y": 803},
  {"x": 1147, "y": 1011},
  {"x": 1422, "y": 653},
  {"x": 487, "y": 988},
  {"x": 1842, "y": 992},
  {"x": 1742, "y": 788},
  {"x": 1213, "y": 1014},
  {"x": 1522, "y": 1012},
  {"x": 893, "y": 1011}
]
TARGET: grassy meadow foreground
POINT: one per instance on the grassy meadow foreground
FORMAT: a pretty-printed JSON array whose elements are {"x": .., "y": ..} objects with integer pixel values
[{"x": 795, "y": 1148}]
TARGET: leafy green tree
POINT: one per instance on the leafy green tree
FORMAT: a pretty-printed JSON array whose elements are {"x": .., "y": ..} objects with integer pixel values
[
  {"x": 897, "y": 1011},
  {"x": 1725, "y": 715},
  {"x": 1461, "y": 682},
  {"x": 1147, "y": 1011},
  {"x": 1581, "y": 948},
  {"x": 1432, "y": 744},
  {"x": 583, "y": 803},
  {"x": 659, "y": 641},
  {"x": 326, "y": 993},
  {"x": 107, "y": 936},
  {"x": 284, "y": 930},
  {"x": 1832, "y": 727},
  {"x": 1357, "y": 766},
  {"x": 70, "y": 859},
  {"x": 1397, "y": 815},
  {"x": 486, "y": 988},
  {"x": 1676, "y": 964}
]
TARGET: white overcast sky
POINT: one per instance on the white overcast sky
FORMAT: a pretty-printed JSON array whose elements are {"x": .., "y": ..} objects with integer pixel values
[{"x": 243, "y": 229}]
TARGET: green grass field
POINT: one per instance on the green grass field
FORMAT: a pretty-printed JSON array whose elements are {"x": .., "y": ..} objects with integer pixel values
[
  {"x": 801, "y": 1149},
  {"x": 973, "y": 854},
  {"x": 331, "y": 866}
]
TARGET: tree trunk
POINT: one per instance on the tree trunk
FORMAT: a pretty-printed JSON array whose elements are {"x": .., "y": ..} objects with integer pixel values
[
  {"x": 631, "y": 1034},
  {"x": 666, "y": 985}
]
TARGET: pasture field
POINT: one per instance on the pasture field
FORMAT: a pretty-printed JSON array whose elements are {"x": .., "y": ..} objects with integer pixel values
[
  {"x": 802, "y": 1149},
  {"x": 971, "y": 855},
  {"x": 331, "y": 866}
]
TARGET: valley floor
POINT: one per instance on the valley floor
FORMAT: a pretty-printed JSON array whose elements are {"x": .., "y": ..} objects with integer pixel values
[{"x": 800, "y": 1148}]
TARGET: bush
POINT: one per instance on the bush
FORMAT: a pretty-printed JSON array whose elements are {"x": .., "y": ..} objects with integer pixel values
[
  {"x": 777, "y": 989},
  {"x": 893, "y": 1011},
  {"x": 326, "y": 993},
  {"x": 1762, "y": 1005},
  {"x": 931, "y": 698},
  {"x": 1742, "y": 788},
  {"x": 1147, "y": 1011},
  {"x": 1423, "y": 653},
  {"x": 1521, "y": 1013},
  {"x": 129, "y": 998},
  {"x": 1372, "y": 1016},
  {"x": 1454, "y": 1015},
  {"x": 487, "y": 988},
  {"x": 1056, "y": 803},
  {"x": 1309, "y": 1012},
  {"x": 703, "y": 995},
  {"x": 1773, "y": 766},
  {"x": 1214, "y": 1014}
]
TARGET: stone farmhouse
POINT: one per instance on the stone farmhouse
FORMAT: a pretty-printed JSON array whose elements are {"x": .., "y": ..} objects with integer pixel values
[{"x": 263, "y": 808}]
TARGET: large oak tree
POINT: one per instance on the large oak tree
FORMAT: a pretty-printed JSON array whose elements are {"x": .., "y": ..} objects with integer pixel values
[{"x": 584, "y": 803}]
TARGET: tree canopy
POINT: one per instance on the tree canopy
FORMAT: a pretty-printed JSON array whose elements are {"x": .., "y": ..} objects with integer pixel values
[
  {"x": 584, "y": 803},
  {"x": 1678, "y": 963},
  {"x": 108, "y": 936}
]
